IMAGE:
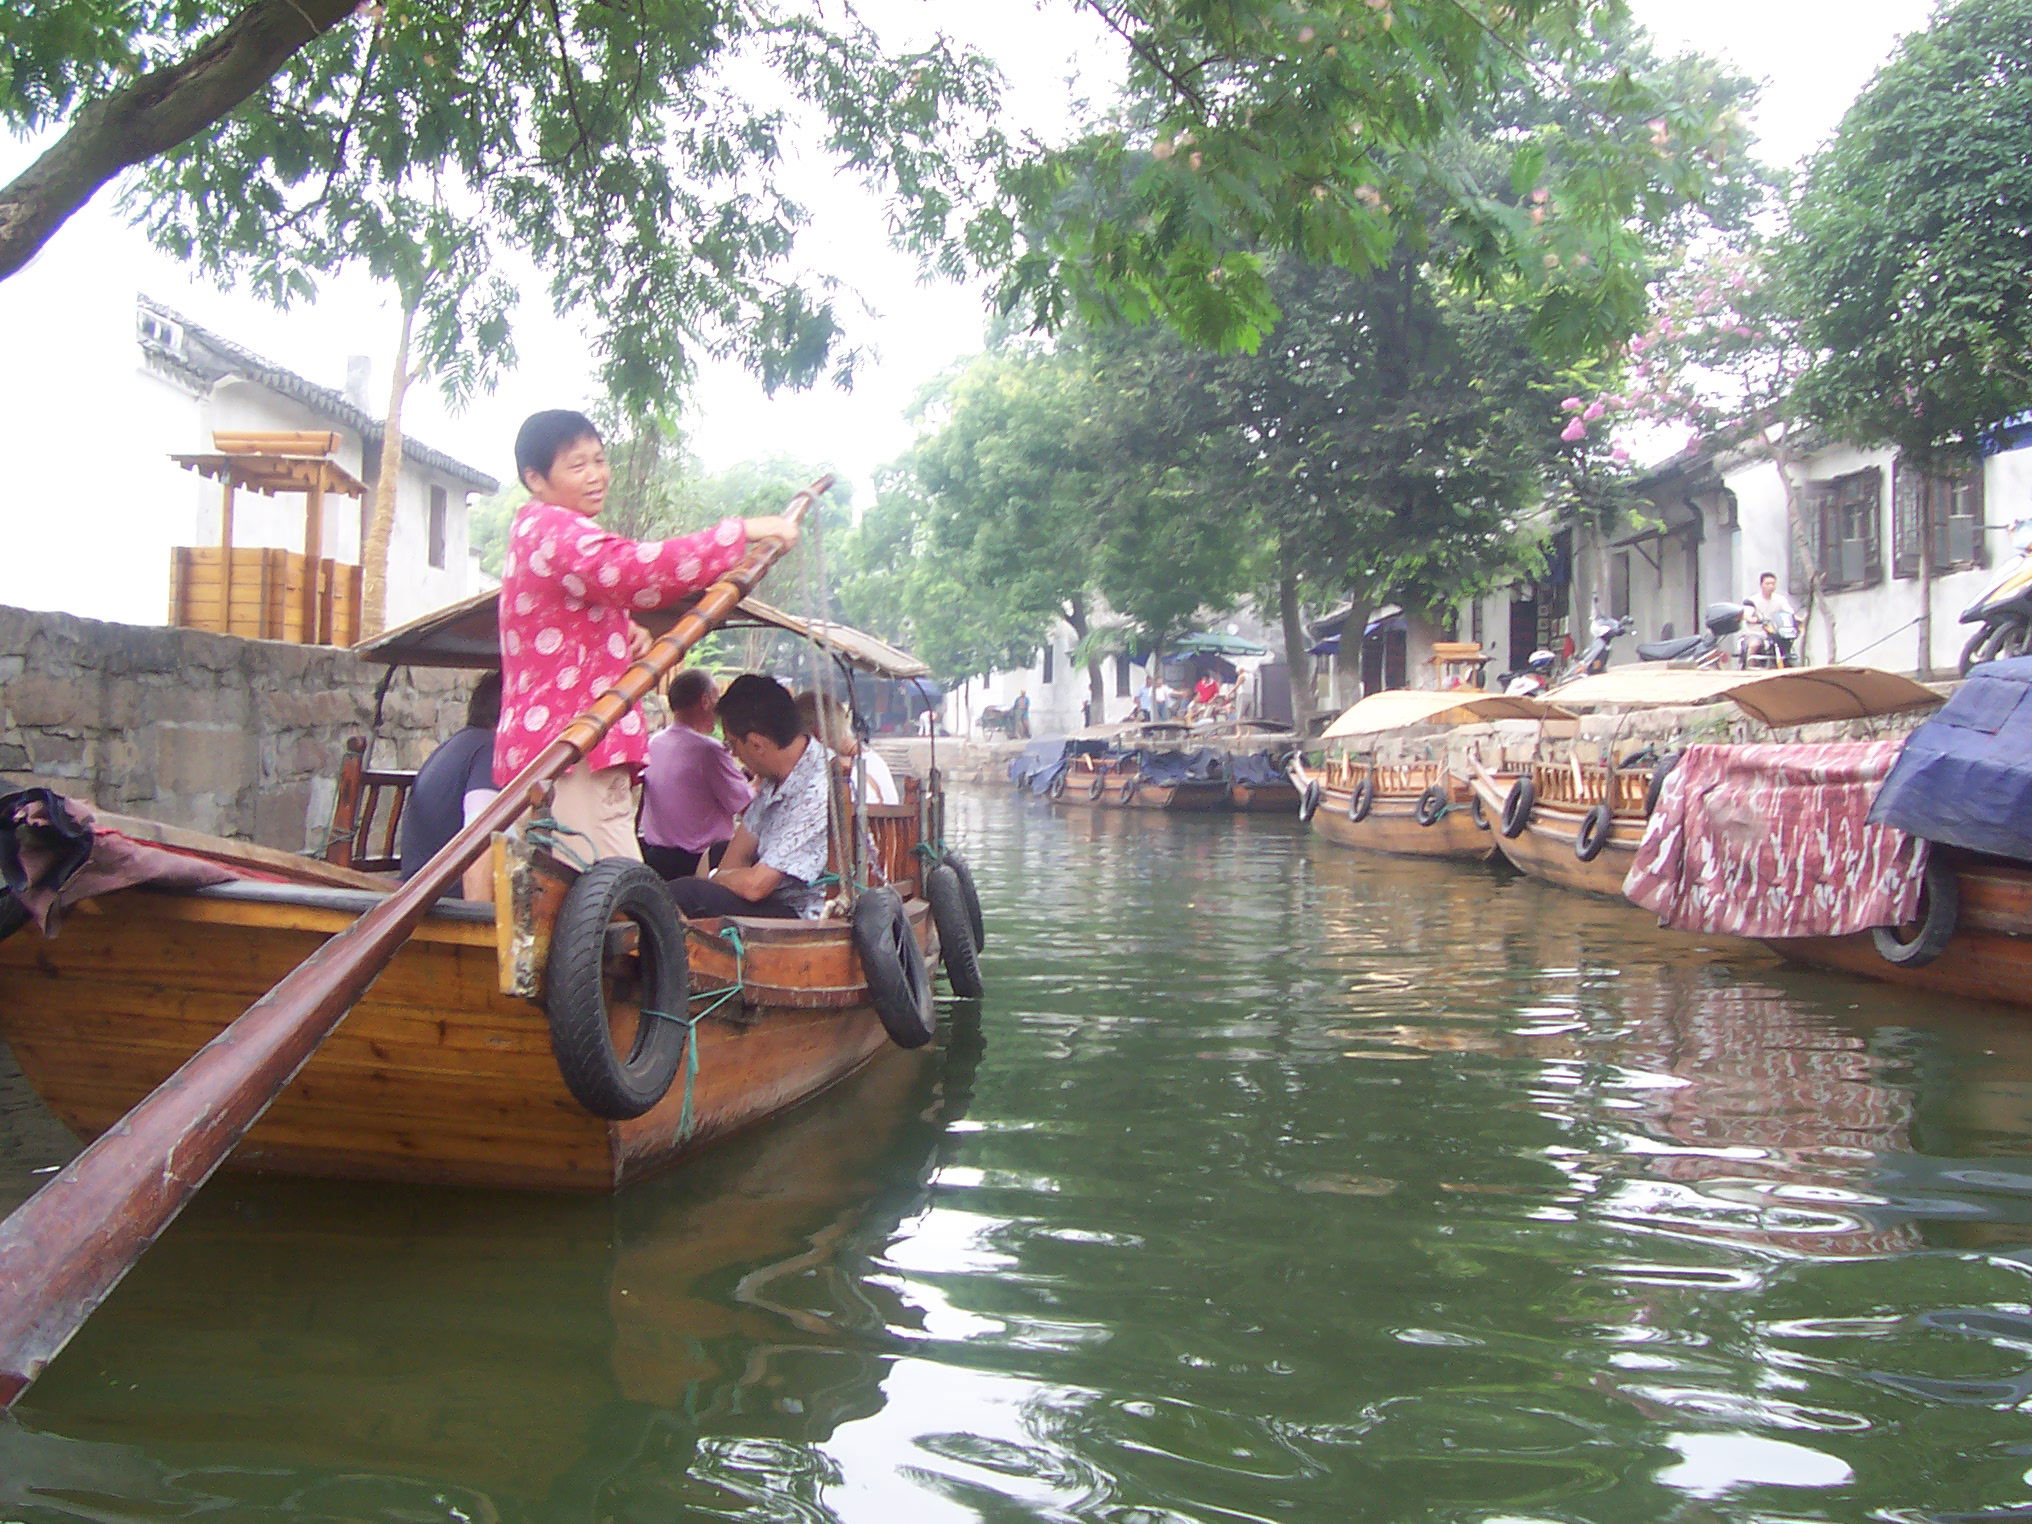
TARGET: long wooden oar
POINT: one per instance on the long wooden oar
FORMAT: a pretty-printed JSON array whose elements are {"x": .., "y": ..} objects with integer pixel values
[{"x": 65, "y": 1248}]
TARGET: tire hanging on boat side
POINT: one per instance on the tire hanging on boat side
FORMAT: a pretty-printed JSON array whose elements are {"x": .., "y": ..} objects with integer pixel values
[
  {"x": 899, "y": 985},
  {"x": 575, "y": 990},
  {"x": 943, "y": 892},
  {"x": 1363, "y": 799},
  {"x": 1517, "y": 808},
  {"x": 1660, "y": 771},
  {"x": 965, "y": 875},
  {"x": 1595, "y": 829},
  {"x": 1939, "y": 915},
  {"x": 1308, "y": 801},
  {"x": 1432, "y": 805}
]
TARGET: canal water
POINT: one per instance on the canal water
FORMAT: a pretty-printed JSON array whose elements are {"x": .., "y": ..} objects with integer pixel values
[{"x": 1270, "y": 1182}]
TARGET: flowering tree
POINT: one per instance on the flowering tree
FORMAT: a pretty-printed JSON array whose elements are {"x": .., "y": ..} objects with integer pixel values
[{"x": 1717, "y": 367}]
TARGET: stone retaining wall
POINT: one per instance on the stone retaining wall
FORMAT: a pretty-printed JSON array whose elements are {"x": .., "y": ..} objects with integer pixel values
[{"x": 237, "y": 737}]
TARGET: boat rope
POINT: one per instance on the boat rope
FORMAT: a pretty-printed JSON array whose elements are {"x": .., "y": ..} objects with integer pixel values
[
  {"x": 546, "y": 832},
  {"x": 714, "y": 998}
]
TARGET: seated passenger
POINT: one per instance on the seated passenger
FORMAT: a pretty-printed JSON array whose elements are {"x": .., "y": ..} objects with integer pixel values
[
  {"x": 778, "y": 854},
  {"x": 692, "y": 788},
  {"x": 454, "y": 785},
  {"x": 857, "y": 763}
]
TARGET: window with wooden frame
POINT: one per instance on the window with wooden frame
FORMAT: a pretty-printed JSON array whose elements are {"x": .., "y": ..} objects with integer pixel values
[
  {"x": 1121, "y": 677},
  {"x": 1048, "y": 653},
  {"x": 440, "y": 516},
  {"x": 1845, "y": 516},
  {"x": 1947, "y": 509}
]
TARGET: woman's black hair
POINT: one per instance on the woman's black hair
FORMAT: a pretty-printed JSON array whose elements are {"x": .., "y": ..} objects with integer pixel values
[
  {"x": 754, "y": 704},
  {"x": 544, "y": 435}
]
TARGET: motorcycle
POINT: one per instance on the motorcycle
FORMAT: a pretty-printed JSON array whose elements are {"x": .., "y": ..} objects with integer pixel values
[
  {"x": 2003, "y": 614},
  {"x": 1595, "y": 658},
  {"x": 1531, "y": 679},
  {"x": 1704, "y": 649}
]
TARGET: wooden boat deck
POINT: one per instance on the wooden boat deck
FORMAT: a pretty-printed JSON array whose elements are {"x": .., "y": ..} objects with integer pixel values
[
  {"x": 1566, "y": 793},
  {"x": 1392, "y": 822}
]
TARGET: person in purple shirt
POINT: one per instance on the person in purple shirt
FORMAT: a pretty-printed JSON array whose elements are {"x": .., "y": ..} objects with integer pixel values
[{"x": 692, "y": 787}]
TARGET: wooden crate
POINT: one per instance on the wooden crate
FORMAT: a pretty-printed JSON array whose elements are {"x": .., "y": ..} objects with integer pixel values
[{"x": 267, "y": 599}]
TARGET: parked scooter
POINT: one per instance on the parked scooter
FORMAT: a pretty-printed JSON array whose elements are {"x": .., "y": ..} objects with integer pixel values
[
  {"x": 1595, "y": 658},
  {"x": 1531, "y": 679},
  {"x": 2004, "y": 612},
  {"x": 1704, "y": 649}
]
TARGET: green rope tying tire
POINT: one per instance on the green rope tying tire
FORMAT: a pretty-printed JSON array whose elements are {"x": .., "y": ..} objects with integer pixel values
[
  {"x": 1363, "y": 799},
  {"x": 1433, "y": 805},
  {"x": 899, "y": 985},
  {"x": 956, "y": 946},
  {"x": 575, "y": 990},
  {"x": 1939, "y": 915},
  {"x": 1518, "y": 806},
  {"x": 1593, "y": 835}
]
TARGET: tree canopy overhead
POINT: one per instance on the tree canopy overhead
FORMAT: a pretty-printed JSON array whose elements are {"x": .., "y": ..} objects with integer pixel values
[
  {"x": 1910, "y": 246},
  {"x": 623, "y": 149}
]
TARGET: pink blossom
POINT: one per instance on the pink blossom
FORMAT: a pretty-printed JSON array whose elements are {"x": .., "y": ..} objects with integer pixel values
[
  {"x": 1571, "y": 405},
  {"x": 1620, "y": 456},
  {"x": 1594, "y": 411},
  {"x": 1639, "y": 344},
  {"x": 1574, "y": 432}
]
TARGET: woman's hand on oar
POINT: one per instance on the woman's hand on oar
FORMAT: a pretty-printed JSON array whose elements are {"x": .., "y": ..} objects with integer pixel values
[{"x": 772, "y": 526}]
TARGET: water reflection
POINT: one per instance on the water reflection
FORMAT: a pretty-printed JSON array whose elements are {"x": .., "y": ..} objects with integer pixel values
[{"x": 1293, "y": 1185}]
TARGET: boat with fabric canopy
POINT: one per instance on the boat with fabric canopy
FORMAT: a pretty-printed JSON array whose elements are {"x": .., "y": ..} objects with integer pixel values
[
  {"x": 1417, "y": 808},
  {"x": 570, "y": 1034},
  {"x": 1260, "y": 754},
  {"x": 1576, "y": 813}
]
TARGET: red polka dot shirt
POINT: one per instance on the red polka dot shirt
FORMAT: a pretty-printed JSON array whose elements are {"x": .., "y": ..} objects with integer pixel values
[{"x": 566, "y": 592}]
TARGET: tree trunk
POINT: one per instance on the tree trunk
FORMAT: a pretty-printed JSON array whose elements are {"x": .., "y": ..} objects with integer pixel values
[
  {"x": 1097, "y": 693},
  {"x": 154, "y": 114},
  {"x": 1802, "y": 547},
  {"x": 1296, "y": 659},
  {"x": 381, "y": 522}
]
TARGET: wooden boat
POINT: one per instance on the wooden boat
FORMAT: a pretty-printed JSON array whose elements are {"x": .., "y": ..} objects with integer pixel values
[
  {"x": 1988, "y": 955},
  {"x": 1413, "y": 809},
  {"x": 1270, "y": 791},
  {"x": 1577, "y": 823},
  {"x": 444, "y": 1070},
  {"x": 1106, "y": 768}
]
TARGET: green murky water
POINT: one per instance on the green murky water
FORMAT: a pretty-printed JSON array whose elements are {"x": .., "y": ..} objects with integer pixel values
[{"x": 1271, "y": 1182}]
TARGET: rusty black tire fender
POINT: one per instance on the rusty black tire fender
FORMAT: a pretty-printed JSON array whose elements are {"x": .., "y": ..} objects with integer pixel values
[
  {"x": 1308, "y": 800},
  {"x": 899, "y": 985},
  {"x": 1939, "y": 915},
  {"x": 575, "y": 990},
  {"x": 1363, "y": 799},
  {"x": 957, "y": 949},
  {"x": 1432, "y": 805},
  {"x": 1518, "y": 806},
  {"x": 1595, "y": 829}
]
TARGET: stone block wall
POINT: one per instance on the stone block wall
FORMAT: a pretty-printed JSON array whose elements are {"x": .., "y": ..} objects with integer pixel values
[{"x": 237, "y": 737}]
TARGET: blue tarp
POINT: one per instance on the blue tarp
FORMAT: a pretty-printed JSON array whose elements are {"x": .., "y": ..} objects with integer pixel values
[
  {"x": 1965, "y": 776},
  {"x": 1257, "y": 767},
  {"x": 1038, "y": 763},
  {"x": 1180, "y": 767}
]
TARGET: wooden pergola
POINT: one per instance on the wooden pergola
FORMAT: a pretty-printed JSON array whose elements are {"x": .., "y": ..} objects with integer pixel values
[{"x": 263, "y": 592}]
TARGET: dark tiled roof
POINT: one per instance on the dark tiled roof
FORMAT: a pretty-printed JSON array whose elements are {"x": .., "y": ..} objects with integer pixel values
[{"x": 206, "y": 358}]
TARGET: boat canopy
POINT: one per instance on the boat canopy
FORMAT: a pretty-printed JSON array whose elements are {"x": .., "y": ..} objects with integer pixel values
[
  {"x": 468, "y": 634},
  {"x": 1792, "y": 696},
  {"x": 1396, "y": 708},
  {"x": 1965, "y": 776}
]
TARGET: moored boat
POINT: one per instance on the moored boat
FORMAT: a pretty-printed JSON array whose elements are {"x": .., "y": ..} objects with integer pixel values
[
  {"x": 1417, "y": 808},
  {"x": 1260, "y": 754},
  {"x": 577, "y": 1040},
  {"x": 1577, "y": 823},
  {"x": 1140, "y": 767}
]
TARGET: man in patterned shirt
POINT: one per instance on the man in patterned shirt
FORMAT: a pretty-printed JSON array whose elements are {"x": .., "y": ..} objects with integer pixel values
[
  {"x": 567, "y": 590},
  {"x": 779, "y": 850}
]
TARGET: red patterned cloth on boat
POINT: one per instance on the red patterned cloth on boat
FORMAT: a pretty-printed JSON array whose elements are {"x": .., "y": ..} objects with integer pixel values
[{"x": 1774, "y": 841}]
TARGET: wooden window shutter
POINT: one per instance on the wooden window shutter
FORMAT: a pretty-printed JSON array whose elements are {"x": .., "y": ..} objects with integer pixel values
[
  {"x": 1865, "y": 524},
  {"x": 1908, "y": 517},
  {"x": 1816, "y": 507}
]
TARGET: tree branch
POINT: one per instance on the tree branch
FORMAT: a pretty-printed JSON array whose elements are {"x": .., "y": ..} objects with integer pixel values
[{"x": 154, "y": 114}]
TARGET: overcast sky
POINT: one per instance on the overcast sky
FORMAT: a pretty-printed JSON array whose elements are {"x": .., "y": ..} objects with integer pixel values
[{"x": 1813, "y": 56}]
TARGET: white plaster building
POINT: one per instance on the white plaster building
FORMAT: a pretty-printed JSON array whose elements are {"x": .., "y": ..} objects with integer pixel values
[{"x": 96, "y": 504}]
